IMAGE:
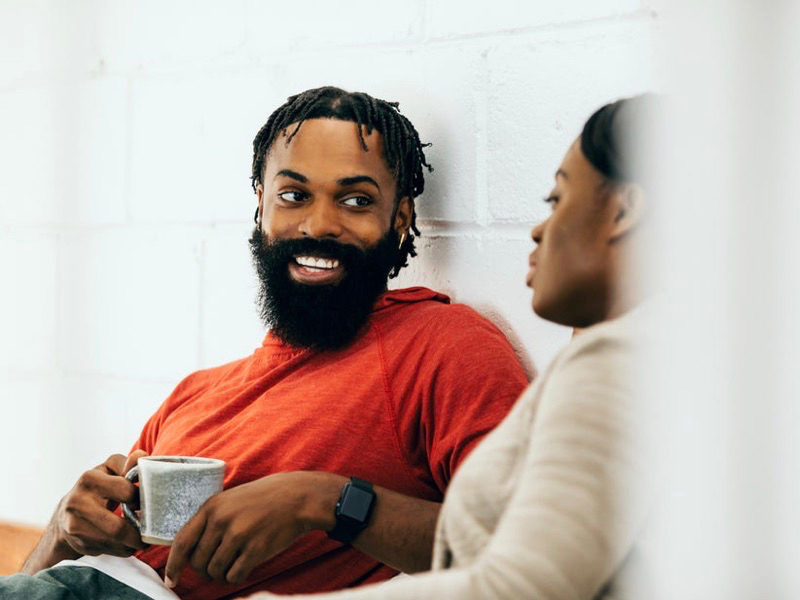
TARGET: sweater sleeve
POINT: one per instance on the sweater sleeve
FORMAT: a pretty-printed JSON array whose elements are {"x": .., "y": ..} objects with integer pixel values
[{"x": 570, "y": 522}]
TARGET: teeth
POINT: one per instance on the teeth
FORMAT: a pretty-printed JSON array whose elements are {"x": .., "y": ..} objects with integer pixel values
[{"x": 314, "y": 262}]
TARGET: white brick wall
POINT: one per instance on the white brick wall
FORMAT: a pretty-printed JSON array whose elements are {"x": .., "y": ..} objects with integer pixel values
[
  {"x": 129, "y": 302},
  {"x": 125, "y": 206},
  {"x": 64, "y": 152},
  {"x": 28, "y": 303},
  {"x": 455, "y": 19}
]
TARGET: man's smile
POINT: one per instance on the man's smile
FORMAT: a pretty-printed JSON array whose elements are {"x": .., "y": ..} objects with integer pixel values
[{"x": 315, "y": 270}]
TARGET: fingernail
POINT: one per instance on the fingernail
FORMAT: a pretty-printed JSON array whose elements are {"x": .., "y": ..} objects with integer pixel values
[{"x": 169, "y": 582}]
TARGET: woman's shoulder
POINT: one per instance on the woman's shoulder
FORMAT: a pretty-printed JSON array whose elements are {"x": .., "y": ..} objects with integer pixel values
[{"x": 631, "y": 332}]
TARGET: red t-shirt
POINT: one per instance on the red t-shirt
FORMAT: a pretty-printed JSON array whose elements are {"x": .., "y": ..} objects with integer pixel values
[{"x": 401, "y": 407}]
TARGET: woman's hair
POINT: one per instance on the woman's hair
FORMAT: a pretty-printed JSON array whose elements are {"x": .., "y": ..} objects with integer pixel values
[{"x": 607, "y": 139}]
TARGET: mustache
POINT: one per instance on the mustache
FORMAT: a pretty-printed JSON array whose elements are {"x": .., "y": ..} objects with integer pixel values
[
  {"x": 325, "y": 316},
  {"x": 288, "y": 249}
]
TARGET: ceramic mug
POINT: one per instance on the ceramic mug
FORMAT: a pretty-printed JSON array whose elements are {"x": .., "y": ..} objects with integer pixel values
[{"x": 171, "y": 490}]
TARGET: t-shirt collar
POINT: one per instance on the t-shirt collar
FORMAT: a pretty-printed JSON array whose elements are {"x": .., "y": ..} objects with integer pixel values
[{"x": 386, "y": 300}]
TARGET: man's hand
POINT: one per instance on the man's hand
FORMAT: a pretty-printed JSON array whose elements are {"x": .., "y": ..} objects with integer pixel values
[
  {"x": 242, "y": 527},
  {"x": 85, "y": 518},
  {"x": 84, "y": 522}
]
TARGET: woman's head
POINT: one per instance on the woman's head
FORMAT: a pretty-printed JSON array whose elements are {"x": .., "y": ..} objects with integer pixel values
[{"x": 578, "y": 268}]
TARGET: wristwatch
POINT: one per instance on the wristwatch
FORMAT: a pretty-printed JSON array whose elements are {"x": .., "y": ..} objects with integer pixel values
[{"x": 353, "y": 510}]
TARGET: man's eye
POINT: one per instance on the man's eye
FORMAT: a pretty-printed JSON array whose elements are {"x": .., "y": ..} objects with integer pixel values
[
  {"x": 292, "y": 196},
  {"x": 551, "y": 200},
  {"x": 358, "y": 201}
]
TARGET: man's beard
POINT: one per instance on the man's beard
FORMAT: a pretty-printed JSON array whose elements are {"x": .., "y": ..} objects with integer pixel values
[{"x": 325, "y": 317}]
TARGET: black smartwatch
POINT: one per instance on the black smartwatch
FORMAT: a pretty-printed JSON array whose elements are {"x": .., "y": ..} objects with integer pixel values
[{"x": 353, "y": 510}]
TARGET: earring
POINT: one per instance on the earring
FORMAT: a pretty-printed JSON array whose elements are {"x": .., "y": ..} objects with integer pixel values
[
  {"x": 402, "y": 241},
  {"x": 255, "y": 217}
]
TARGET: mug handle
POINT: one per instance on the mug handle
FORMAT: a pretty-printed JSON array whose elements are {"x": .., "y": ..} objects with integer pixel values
[{"x": 130, "y": 515}]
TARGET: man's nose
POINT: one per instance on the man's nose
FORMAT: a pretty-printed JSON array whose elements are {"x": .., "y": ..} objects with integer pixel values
[{"x": 321, "y": 220}]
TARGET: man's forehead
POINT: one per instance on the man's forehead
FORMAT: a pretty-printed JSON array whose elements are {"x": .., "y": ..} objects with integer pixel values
[{"x": 327, "y": 145}]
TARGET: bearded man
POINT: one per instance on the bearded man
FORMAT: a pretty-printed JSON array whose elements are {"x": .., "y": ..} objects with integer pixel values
[{"x": 343, "y": 430}]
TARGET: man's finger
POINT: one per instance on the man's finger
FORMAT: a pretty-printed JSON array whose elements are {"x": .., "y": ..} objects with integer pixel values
[
  {"x": 112, "y": 550},
  {"x": 105, "y": 525},
  {"x": 243, "y": 565},
  {"x": 133, "y": 459},
  {"x": 114, "y": 464},
  {"x": 182, "y": 548},
  {"x": 105, "y": 485},
  {"x": 204, "y": 550},
  {"x": 225, "y": 555},
  {"x": 88, "y": 537}
]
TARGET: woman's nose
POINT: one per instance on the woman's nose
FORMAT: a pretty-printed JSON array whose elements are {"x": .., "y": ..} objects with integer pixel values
[{"x": 537, "y": 232}]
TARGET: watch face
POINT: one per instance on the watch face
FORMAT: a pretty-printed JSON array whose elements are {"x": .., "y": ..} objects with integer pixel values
[{"x": 356, "y": 503}]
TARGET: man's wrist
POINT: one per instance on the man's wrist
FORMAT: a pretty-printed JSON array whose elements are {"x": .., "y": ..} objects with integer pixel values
[
  {"x": 50, "y": 550},
  {"x": 318, "y": 509},
  {"x": 353, "y": 510},
  {"x": 63, "y": 551}
]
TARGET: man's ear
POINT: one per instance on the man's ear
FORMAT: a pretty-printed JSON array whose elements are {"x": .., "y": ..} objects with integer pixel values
[
  {"x": 260, "y": 209},
  {"x": 629, "y": 208},
  {"x": 402, "y": 215}
]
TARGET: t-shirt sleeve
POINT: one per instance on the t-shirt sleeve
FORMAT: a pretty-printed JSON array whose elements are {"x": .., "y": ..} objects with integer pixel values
[
  {"x": 571, "y": 521},
  {"x": 469, "y": 377}
]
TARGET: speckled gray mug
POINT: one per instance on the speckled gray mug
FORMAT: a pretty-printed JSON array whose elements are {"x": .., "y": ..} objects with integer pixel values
[{"x": 171, "y": 490}]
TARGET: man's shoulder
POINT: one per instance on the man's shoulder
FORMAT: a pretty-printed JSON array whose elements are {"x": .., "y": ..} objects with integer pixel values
[
  {"x": 204, "y": 378},
  {"x": 430, "y": 317},
  {"x": 425, "y": 306}
]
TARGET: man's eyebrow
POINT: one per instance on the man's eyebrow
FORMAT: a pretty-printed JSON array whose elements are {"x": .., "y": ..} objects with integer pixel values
[
  {"x": 345, "y": 181},
  {"x": 562, "y": 173},
  {"x": 293, "y": 175}
]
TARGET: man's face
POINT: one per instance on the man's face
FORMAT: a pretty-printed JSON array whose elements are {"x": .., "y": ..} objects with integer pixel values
[
  {"x": 327, "y": 237},
  {"x": 324, "y": 186}
]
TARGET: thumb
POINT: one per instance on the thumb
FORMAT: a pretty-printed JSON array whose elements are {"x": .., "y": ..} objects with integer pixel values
[{"x": 133, "y": 458}]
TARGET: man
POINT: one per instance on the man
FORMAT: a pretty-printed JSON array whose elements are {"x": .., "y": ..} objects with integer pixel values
[{"x": 392, "y": 388}]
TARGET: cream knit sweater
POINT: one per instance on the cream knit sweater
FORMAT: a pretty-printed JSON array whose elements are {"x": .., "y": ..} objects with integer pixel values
[{"x": 548, "y": 506}]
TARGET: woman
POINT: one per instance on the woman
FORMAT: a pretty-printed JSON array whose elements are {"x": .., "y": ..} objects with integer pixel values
[{"x": 547, "y": 506}]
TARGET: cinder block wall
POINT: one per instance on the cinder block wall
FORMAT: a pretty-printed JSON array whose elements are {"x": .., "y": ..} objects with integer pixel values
[{"x": 125, "y": 206}]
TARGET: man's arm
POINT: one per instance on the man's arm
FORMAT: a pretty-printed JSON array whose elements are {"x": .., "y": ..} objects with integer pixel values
[
  {"x": 244, "y": 526},
  {"x": 84, "y": 523},
  {"x": 401, "y": 531},
  {"x": 49, "y": 550},
  {"x": 401, "y": 528}
]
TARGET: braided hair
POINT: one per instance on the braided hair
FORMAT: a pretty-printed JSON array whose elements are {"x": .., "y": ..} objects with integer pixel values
[{"x": 402, "y": 148}]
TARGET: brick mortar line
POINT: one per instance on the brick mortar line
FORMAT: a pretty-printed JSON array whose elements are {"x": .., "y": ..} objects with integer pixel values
[{"x": 496, "y": 230}]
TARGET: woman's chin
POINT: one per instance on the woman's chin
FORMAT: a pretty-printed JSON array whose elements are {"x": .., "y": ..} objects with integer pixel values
[{"x": 539, "y": 307}]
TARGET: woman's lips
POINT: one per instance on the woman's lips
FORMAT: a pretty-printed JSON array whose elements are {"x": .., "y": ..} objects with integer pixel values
[{"x": 531, "y": 271}]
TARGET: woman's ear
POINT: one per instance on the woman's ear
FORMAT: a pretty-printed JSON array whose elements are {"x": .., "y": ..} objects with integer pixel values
[
  {"x": 402, "y": 215},
  {"x": 629, "y": 205}
]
